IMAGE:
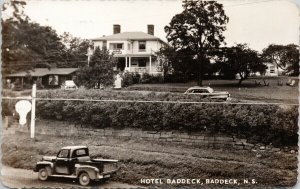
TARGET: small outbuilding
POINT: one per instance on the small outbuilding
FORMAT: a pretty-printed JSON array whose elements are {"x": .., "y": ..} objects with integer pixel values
[{"x": 48, "y": 77}]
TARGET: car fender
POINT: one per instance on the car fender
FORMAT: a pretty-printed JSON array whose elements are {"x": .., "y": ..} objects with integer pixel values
[
  {"x": 47, "y": 164},
  {"x": 91, "y": 170}
]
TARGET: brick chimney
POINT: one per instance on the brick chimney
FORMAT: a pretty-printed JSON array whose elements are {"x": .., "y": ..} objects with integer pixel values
[
  {"x": 116, "y": 28},
  {"x": 150, "y": 29}
]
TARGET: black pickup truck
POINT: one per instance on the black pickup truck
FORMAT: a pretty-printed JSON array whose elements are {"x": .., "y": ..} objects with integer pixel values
[{"x": 75, "y": 162}]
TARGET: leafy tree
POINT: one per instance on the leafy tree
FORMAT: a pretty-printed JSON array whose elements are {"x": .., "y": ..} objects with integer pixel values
[
  {"x": 292, "y": 58},
  {"x": 241, "y": 60},
  {"x": 198, "y": 29},
  {"x": 10, "y": 33},
  {"x": 27, "y": 45},
  {"x": 178, "y": 63},
  {"x": 166, "y": 56},
  {"x": 75, "y": 51},
  {"x": 99, "y": 72},
  {"x": 285, "y": 57}
]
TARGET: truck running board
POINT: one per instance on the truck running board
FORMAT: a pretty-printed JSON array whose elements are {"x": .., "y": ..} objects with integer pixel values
[{"x": 65, "y": 176}]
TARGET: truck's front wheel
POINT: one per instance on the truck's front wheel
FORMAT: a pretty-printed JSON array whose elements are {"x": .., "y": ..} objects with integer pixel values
[
  {"x": 84, "y": 179},
  {"x": 43, "y": 174}
]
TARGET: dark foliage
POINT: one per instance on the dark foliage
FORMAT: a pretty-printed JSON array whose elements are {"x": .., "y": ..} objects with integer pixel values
[
  {"x": 239, "y": 60},
  {"x": 147, "y": 78},
  {"x": 262, "y": 123},
  {"x": 285, "y": 57},
  {"x": 198, "y": 29},
  {"x": 99, "y": 72},
  {"x": 27, "y": 45},
  {"x": 130, "y": 79}
]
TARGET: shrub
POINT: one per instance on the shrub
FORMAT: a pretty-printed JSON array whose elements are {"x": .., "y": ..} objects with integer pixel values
[
  {"x": 176, "y": 78},
  {"x": 147, "y": 78},
  {"x": 8, "y": 107},
  {"x": 130, "y": 79},
  {"x": 263, "y": 123}
]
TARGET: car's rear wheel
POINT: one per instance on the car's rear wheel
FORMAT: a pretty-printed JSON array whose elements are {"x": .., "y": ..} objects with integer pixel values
[
  {"x": 43, "y": 174},
  {"x": 84, "y": 179}
]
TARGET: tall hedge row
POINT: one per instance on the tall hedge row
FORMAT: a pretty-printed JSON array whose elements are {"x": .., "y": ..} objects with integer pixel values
[
  {"x": 263, "y": 123},
  {"x": 121, "y": 95}
]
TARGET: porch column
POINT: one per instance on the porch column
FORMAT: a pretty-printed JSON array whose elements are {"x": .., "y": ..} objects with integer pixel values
[
  {"x": 150, "y": 62},
  {"x": 126, "y": 66},
  {"x": 129, "y": 63},
  {"x": 22, "y": 82}
]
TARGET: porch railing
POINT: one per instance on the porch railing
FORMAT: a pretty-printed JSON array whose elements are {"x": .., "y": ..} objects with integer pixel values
[{"x": 140, "y": 70}]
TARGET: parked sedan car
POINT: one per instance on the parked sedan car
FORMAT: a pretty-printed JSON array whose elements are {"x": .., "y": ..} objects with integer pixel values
[
  {"x": 208, "y": 92},
  {"x": 69, "y": 85},
  {"x": 75, "y": 162}
]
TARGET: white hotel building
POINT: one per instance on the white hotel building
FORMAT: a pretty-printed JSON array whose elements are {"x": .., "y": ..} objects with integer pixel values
[{"x": 136, "y": 51}]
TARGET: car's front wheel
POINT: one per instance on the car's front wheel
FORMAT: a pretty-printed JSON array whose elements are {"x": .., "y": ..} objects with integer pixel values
[
  {"x": 84, "y": 179},
  {"x": 43, "y": 174}
]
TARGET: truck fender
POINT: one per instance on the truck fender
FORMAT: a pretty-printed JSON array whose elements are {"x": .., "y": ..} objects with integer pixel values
[
  {"x": 92, "y": 171},
  {"x": 49, "y": 166}
]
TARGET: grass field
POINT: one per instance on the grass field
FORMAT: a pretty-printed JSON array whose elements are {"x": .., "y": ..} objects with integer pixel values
[
  {"x": 249, "y": 90},
  {"x": 142, "y": 159}
]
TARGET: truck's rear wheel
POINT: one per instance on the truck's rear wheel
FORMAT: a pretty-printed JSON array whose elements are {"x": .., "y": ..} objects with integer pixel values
[
  {"x": 43, "y": 174},
  {"x": 84, "y": 179}
]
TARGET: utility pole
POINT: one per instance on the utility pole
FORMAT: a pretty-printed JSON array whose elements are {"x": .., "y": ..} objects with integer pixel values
[{"x": 32, "y": 122}]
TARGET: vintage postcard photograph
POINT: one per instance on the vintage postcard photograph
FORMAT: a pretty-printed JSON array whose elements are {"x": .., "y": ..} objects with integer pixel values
[{"x": 149, "y": 94}]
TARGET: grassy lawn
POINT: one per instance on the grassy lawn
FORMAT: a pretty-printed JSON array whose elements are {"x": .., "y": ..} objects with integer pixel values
[
  {"x": 143, "y": 159},
  {"x": 248, "y": 91}
]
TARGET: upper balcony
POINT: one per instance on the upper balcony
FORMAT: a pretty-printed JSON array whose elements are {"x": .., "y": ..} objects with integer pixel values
[{"x": 133, "y": 47}]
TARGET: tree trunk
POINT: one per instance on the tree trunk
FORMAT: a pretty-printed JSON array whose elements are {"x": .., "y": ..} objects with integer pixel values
[
  {"x": 201, "y": 70},
  {"x": 200, "y": 80},
  {"x": 240, "y": 82}
]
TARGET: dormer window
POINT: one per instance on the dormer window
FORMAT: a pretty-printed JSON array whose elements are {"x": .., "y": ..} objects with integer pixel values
[{"x": 142, "y": 45}]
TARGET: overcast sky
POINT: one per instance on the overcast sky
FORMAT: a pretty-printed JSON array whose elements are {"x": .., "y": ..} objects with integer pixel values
[{"x": 256, "y": 22}]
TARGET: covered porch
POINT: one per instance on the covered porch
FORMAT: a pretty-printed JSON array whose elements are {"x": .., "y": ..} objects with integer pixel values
[{"x": 138, "y": 64}]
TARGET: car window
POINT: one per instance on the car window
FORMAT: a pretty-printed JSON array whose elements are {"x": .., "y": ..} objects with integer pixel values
[
  {"x": 80, "y": 153},
  {"x": 63, "y": 153},
  {"x": 200, "y": 91}
]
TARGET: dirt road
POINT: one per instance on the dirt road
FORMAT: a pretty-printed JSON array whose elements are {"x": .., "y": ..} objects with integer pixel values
[{"x": 20, "y": 178}]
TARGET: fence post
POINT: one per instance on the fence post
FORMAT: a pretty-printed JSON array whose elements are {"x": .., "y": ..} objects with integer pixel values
[{"x": 32, "y": 122}]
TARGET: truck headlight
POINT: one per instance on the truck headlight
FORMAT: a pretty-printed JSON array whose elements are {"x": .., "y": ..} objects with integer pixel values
[{"x": 96, "y": 169}]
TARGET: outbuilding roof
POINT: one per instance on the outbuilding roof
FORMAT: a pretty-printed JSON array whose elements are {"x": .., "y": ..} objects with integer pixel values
[{"x": 39, "y": 72}]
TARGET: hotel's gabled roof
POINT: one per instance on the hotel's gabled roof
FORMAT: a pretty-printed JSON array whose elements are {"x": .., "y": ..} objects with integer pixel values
[{"x": 128, "y": 36}]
